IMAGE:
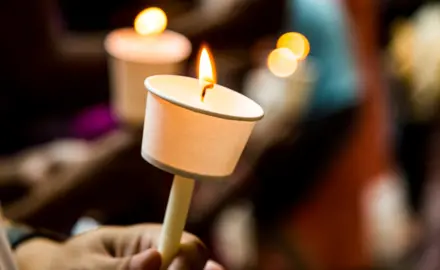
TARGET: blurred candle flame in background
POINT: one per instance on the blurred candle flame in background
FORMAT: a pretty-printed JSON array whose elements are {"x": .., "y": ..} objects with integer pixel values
[
  {"x": 150, "y": 21},
  {"x": 206, "y": 68},
  {"x": 291, "y": 48}
]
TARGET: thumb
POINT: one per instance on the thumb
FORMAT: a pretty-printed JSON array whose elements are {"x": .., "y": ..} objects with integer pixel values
[{"x": 149, "y": 259}]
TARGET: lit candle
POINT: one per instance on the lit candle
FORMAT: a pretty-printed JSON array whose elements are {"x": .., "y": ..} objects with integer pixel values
[
  {"x": 194, "y": 129},
  {"x": 135, "y": 53}
]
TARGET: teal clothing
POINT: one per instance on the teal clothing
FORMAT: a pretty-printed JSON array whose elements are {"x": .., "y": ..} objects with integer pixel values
[{"x": 324, "y": 23}]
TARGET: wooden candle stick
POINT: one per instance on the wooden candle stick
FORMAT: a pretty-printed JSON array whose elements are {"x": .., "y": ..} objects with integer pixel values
[{"x": 175, "y": 218}]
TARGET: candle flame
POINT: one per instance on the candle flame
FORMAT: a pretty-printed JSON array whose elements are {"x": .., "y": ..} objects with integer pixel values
[
  {"x": 206, "y": 67},
  {"x": 295, "y": 42},
  {"x": 150, "y": 21},
  {"x": 282, "y": 62}
]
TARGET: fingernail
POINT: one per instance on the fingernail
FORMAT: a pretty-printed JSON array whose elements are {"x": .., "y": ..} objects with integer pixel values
[
  {"x": 211, "y": 265},
  {"x": 179, "y": 264}
]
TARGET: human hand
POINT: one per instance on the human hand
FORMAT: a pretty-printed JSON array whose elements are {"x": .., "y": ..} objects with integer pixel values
[{"x": 112, "y": 248}]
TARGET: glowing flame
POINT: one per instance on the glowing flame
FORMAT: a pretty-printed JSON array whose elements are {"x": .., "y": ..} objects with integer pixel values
[
  {"x": 206, "y": 67},
  {"x": 282, "y": 62},
  {"x": 295, "y": 42},
  {"x": 150, "y": 21}
]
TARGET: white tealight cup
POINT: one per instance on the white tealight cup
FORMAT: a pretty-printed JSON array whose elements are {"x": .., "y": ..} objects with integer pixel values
[
  {"x": 193, "y": 138},
  {"x": 132, "y": 58}
]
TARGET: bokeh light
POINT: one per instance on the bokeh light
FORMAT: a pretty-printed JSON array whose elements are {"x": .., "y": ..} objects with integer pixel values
[
  {"x": 295, "y": 42},
  {"x": 282, "y": 62},
  {"x": 150, "y": 21}
]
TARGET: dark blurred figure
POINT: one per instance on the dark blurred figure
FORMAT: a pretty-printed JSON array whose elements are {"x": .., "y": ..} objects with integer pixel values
[
  {"x": 331, "y": 113},
  {"x": 292, "y": 170}
]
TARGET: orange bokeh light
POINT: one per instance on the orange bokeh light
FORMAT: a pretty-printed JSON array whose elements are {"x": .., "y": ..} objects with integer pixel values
[
  {"x": 295, "y": 42},
  {"x": 150, "y": 21},
  {"x": 282, "y": 62}
]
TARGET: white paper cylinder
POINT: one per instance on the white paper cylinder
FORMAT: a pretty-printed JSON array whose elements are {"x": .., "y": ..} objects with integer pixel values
[
  {"x": 196, "y": 139},
  {"x": 132, "y": 58}
]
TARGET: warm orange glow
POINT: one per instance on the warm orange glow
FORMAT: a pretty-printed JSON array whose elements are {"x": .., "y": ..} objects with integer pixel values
[
  {"x": 295, "y": 42},
  {"x": 150, "y": 21},
  {"x": 206, "y": 67},
  {"x": 282, "y": 62}
]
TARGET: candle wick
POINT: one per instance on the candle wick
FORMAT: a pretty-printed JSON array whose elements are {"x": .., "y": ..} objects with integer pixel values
[{"x": 205, "y": 88}]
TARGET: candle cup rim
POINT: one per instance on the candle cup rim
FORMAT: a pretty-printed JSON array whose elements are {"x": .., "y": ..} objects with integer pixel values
[{"x": 174, "y": 101}]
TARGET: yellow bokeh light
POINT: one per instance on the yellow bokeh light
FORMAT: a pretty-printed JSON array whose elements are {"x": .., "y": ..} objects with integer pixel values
[
  {"x": 150, "y": 21},
  {"x": 206, "y": 66},
  {"x": 295, "y": 42},
  {"x": 282, "y": 62}
]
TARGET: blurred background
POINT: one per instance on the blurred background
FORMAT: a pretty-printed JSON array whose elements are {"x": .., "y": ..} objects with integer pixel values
[{"x": 342, "y": 173}]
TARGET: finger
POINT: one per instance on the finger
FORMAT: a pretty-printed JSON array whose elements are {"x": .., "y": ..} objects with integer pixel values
[
  {"x": 211, "y": 265},
  {"x": 149, "y": 235},
  {"x": 147, "y": 260},
  {"x": 193, "y": 254},
  {"x": 123, "y": 241}
]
